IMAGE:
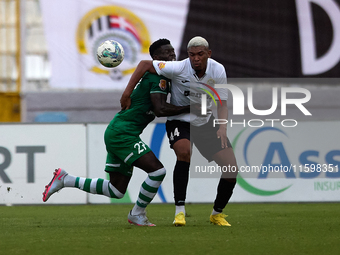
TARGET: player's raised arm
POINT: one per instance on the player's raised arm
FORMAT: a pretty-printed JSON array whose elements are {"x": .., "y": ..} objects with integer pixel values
[{"x": 142, "y": 67}]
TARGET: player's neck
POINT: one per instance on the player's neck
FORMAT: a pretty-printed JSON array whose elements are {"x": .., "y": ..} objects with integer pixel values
[{"x": 200, "y": 73}]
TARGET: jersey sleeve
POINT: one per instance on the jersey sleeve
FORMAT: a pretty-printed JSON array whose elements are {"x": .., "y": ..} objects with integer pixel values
[
  {"x": 168, "y": 68},
  {"x": 159, "y": 84}
]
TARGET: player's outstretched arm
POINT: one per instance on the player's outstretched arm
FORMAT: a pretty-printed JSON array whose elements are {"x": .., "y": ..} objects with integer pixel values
[
  {"x": 142, "y": 67},
  {"x": 161, "y": 108}
]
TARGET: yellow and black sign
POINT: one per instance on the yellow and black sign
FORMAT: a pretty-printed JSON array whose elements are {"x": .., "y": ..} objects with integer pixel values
[{"x": 10, "y": 107}]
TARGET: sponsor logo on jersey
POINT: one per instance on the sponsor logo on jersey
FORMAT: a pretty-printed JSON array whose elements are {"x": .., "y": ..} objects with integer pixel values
[
  {"x": 162, "y": 84},
  {"x": 211, "y": 82},
  {"x": 161, "y": 65}
]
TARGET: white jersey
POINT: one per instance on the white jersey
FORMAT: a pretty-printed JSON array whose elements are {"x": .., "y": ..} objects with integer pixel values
[{"x": 187, "y": 88}]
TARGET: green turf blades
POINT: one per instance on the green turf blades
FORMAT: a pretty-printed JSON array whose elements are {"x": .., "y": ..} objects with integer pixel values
[{"x": 287, "y": 228}]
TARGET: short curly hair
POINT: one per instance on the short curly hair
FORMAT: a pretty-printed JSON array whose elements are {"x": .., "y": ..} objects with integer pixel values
[{"x": 156, "y": 45}]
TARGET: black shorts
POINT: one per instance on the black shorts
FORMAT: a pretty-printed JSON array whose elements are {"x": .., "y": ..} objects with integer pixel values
[
  {"x": 204, "y": 137},
  {"x": 177, "y": 130}
]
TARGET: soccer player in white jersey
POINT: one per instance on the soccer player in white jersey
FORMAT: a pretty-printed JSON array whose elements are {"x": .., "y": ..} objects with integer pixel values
[{"x": 188, "y": 76}]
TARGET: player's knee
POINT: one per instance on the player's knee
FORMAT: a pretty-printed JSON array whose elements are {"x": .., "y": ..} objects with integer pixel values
[
  {"x": 182, "y": 149},
  {"x": 183, "y": 157},
  {"x": 183, "y": 154}
]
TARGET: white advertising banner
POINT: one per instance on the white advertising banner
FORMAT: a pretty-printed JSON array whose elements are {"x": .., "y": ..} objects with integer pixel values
[
  {"x": 78, "y": 27},
  {"x": 284, "y": 164},
  {"x": 30, "y": 153},
  {"x": 276, "y": 164}
]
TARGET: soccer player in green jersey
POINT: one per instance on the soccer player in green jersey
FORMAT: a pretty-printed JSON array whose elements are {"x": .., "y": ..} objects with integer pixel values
[{"x": 124, "y": 147}]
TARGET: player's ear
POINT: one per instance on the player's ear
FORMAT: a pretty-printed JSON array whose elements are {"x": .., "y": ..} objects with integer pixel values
[{"x": 209, "y": 53}]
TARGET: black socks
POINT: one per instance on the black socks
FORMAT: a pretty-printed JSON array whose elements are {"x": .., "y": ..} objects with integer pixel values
[
  {"x": 224, "y": 192},
  {"x": 180, "y": 179}
]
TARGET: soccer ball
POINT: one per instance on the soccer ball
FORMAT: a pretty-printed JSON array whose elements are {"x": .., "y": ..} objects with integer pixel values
[{"x": 110, "y": 53}]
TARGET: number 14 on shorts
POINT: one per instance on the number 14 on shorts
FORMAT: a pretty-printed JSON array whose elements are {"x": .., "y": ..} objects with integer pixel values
[{"x": 175, "y": 133}]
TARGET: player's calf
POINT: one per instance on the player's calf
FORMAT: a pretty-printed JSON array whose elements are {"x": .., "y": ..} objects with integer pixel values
[
  {"x": 148, "y": 191},
  {"x": 98, "y": 186}
]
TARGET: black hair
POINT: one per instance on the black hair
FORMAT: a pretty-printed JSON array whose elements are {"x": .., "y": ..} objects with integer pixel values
[{"x": 156, "y": 45}]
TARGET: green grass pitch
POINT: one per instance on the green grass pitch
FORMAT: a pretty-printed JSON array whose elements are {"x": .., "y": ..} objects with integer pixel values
[{"x": 287, "y": 228}]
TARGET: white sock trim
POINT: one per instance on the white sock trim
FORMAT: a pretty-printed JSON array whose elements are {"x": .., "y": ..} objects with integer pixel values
[
  {"x": 180, "y": 208},
  {"x": 115, "y": 191},
  {"x": 137, "y": 210},
  {"x": 214, "y": 212},
  {"x": 70, "y": 181},
  {"x": 81, "y": 183},
  {"x": 158, "y": 172},
  {"x": 93, "y": 186}
]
